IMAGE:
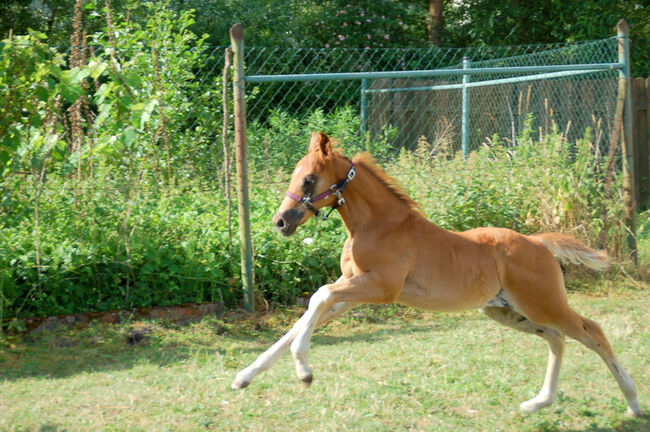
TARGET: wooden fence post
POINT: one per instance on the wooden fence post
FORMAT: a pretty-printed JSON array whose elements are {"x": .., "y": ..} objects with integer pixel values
[
  {"x": 237, "y": 42},
  {"x": 641, "y": 100},
  {"x": 629, "y": 196},
  {"x": 224, "y": 141}
]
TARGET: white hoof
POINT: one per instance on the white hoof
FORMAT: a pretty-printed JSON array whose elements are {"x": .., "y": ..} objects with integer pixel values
[
  {"x": 241, "y": 381},
  {"x": 304, "y": 373},
  {"x": 634, "y": 411},
  {"x": 535, "y": 404}
]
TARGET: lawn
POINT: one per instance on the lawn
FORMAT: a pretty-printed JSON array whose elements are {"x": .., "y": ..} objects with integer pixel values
[{"x": 389, "y": 368}]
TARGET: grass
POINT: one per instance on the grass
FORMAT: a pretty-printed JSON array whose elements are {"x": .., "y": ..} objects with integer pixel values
[{"x": 387, "y": 368}]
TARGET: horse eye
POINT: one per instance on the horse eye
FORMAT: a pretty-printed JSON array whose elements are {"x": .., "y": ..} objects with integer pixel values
[
  {"x": 309, "y": 180},
  {"x": 308, "y": 184}
]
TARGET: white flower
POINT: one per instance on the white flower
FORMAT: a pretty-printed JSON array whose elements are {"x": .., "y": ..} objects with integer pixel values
[{"x": 308, "y": 240}]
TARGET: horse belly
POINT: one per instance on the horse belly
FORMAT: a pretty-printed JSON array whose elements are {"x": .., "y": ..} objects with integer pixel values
[{"x": 445, "y": 298}]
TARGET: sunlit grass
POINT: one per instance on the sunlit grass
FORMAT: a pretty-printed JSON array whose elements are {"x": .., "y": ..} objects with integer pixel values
[{"x": 387, "y": 368}]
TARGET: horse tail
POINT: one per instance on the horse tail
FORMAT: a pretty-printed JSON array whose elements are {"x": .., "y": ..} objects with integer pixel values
[{"x": 569, "y": 248}]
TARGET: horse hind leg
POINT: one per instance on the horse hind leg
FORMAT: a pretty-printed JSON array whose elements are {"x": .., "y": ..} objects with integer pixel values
[
  {"x": 591, "y": 335},
  {"x": 555, "y": 339}
]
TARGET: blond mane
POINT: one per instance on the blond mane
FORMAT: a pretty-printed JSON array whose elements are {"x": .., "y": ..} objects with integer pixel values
[{"x": 366, "y": 160}]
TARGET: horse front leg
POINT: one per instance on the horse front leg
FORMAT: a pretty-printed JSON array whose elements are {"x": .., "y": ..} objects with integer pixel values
[
  {"x": 271, "y": 355},
  {"x": 365, "y": 288}
]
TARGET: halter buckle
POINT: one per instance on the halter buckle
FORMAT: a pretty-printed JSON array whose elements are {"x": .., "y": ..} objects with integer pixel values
[{"x": 351, "y": 173}]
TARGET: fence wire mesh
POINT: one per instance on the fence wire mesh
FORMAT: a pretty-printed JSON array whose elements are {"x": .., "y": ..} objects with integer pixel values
[{"x": 404, "y": 116}]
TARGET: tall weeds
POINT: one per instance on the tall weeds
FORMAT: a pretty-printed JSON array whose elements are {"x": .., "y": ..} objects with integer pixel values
[{"x": 534, "y": 186}]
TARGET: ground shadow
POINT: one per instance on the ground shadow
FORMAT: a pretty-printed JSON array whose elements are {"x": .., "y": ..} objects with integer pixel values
[
  {"x": 62, "y": 353},
  {"x": 627, "y": 425}
]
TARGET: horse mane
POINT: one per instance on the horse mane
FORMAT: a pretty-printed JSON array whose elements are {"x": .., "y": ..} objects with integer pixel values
[{"x": 367, "y": 161}]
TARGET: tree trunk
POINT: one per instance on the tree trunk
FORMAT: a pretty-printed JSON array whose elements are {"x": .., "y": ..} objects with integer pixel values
[{"x": 436, "y": 21}]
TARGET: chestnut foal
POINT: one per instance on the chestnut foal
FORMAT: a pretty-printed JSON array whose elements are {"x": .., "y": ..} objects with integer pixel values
[{"x": 394, "y": 254}]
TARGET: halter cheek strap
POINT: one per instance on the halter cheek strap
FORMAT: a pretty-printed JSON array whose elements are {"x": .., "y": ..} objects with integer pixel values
[{"x": 336, "y": 190}]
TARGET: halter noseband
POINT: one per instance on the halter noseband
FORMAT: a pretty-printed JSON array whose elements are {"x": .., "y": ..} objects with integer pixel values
[{"x": 336, "y": 190}]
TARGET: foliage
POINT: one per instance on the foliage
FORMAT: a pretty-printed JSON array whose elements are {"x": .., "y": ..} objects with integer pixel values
[
  {"x": 384, "y": 23},
  {"x": 504, "y": 22},
  {"x": 334, "y": 23},
  {"x": 31, "y": 86},
  {"x": 159, "y": 247},
  {"x": 281, "y": 140},
  {"x": 149, "y": 96},
  {"x": 378, "y": 24},
  {"x": 98, "y": 140},
  {"x": 110, "y": 176},
  {"x": 506, "y": 186}
]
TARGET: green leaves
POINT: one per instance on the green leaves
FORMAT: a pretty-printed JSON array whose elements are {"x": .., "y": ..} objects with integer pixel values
[
  {"x": 31, "y": 80},
  {"x": 70, "y": 83},
  {"x": 96, "y": 68},
  {"x": 141, "y": 113}
]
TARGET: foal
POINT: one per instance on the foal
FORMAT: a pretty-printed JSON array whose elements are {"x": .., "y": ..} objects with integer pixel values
[{"x": 394, "y": 254}]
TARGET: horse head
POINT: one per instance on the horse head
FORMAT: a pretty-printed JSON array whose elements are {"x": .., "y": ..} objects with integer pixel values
[{"x": 315, "y": 183}]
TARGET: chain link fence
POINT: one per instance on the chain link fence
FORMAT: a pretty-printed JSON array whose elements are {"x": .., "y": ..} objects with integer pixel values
[{"x": 402, "y": 111}]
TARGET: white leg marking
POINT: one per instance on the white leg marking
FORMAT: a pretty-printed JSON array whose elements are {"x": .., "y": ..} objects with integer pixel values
[
  {"x": 548, "y": 393},
  {"x": 627, "y": 386},
  {"x": 267, "y": 358},
  {"x": 271, "y": 355},
  {"x": 300, "y": 345}
]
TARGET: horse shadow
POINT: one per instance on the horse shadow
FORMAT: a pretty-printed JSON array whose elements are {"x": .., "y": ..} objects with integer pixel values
[
  {"x": 63, "y": 352},
  {"x": 626, "y": 425}
]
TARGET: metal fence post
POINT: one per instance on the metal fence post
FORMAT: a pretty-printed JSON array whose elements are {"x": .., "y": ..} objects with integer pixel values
[
  {"x": 465, "y": 111},
  {"x": 237, "y": 41},
  {"x": 364, "y": 106},
  {"x": 629, "y": 196}
]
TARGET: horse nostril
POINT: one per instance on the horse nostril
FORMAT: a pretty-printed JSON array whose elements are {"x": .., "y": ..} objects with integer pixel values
[{"x": 280, "y": 223}]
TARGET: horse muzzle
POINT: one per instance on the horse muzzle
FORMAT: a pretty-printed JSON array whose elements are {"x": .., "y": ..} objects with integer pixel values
[{"x": 286, "y": 222}]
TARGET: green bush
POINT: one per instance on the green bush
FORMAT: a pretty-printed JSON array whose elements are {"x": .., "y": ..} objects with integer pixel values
[
  {"x": 552, "y": 185},
  {"x": 173, "y": 249},
  {"x": 160, "y": 247},
  {"x": 111, "y": 193}
]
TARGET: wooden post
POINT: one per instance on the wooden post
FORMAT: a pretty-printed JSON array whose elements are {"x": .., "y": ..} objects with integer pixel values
[
  {"x": 617, "y": 129},
  {"x": 629, "y": 196},
  {"x": 641, "y": 100},
  {"x": 224, "y": 141},
  {"x": 237, "y": 42}
]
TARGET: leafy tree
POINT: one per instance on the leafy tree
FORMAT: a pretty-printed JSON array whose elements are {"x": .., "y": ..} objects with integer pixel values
[
  {"x": 365, "y": 23},
  {"x": 32, "y": 85},
  {"x": 312, "y": 23},
  {"x": 506, "y": 22}
]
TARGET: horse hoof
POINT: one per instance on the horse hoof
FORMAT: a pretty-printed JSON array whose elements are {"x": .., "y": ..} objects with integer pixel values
[
  {"x": 307, "y": 380},
  {"x": 239, "y": 384},
  {"x": 634, "y": 413},
  {"x": 533, "y": 405}
]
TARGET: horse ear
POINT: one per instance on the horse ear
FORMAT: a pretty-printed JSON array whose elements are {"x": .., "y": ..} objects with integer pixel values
[{"x": 320, "y": 142}]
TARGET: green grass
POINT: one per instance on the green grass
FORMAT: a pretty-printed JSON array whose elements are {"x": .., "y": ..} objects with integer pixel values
[{"x": 387, "y": 368}]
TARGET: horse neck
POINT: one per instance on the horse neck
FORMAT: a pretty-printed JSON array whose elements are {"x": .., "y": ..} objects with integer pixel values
[{"x": 369, "y": 201}]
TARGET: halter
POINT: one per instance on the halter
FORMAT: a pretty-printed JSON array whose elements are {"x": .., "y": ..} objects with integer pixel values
[{"x": 336, "y": 190}]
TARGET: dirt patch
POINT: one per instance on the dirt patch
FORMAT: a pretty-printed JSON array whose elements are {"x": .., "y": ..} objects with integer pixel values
[{"x": 179, "y": 314}]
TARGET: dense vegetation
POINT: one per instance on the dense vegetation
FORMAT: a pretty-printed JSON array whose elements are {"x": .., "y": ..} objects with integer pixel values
[
  {"x": 374, "y": 24},
  {"x": 111, "y": 181}
]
